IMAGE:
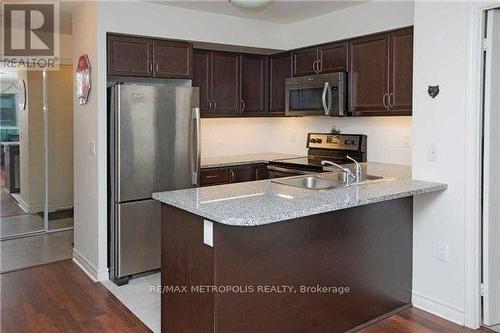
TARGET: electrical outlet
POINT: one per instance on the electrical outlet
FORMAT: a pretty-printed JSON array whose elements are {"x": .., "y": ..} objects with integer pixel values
[
  {"x": 92, "y": 148},
  {"x": 442, "y": 251},
  {"x": 432, "y": 154}
]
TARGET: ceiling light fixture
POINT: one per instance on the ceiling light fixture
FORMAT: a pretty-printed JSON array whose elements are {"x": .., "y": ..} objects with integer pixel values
[{"x": 250, "y": 4}]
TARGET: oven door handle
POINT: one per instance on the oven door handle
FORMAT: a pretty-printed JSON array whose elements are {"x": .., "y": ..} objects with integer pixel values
[
  {"x": 287, "y": 170},
  {"x": 326, "y": 106}
]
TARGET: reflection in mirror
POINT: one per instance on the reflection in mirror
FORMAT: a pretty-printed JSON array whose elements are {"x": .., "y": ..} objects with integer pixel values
[{"x": 23, "y": 151}]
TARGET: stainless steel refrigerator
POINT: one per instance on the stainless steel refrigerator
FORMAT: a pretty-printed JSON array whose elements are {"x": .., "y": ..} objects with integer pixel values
[{"x": 154, "y": 145}]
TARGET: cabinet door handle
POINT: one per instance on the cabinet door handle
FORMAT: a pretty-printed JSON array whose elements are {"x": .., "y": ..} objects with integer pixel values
[
  {"x": 314, "y": 66},
  {"x": 384, "y": 100},
  {"x": 156, "y": 66},
  {"x": 232, "y": 176},
  {"x": 391, "y": 100},
  {"x": 243, "y": 105},
  {"x": 320, "y": 66},
  {"x": 214, "y": 103},
  {"x": 150, "y": 66},
  {"x": 210, "y": 176}
]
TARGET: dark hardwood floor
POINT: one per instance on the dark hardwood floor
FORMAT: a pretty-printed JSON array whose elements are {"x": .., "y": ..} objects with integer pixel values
[{"x": 59, "y": 297}]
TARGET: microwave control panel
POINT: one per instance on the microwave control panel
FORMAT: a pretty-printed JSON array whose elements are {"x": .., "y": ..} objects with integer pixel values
[{"x": 333, "y": 141}]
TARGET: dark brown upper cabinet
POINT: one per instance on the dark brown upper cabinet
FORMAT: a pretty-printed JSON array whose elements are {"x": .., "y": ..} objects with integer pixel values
[
  {"x": 332, "y": 58},
  {"x": 253, "y": 84},
  {"x": 369, "y": 75},
  {"x": 172, "y": 59},
  {"x": 217, "y": 74},
  {"x": 305, "y": 61},
  {"x": 380, "y": 74},
  {"x": 146, "y": 57},
  {"x": 327, "y": 58},
  {"x": 202, "y": 78},
  {"x": 400, "y": 82},
  {"x": 225, "y": 83},
  {"x": 379, "y": 68},
  {"x": 231, "y": 84},
  {"x": 280, "y": 68},
  {"x": 129, "y": 56}
]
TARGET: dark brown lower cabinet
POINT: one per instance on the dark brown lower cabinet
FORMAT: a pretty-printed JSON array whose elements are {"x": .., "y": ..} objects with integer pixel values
[
  {"x": 233, "y": 174},
  {"x": 367, "y": 249},
  {"x": 214, "y": 176}
]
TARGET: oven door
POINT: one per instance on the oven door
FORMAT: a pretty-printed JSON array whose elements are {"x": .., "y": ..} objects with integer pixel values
[
  {"x": 316, "y": 95},
  {"x": 280, "y": 172}
]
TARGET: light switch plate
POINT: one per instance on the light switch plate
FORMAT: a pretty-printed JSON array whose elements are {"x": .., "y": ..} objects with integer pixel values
[
  {"x": 92, "y": 148},
  {"x": 442, "y": 251},
  {"x": 208, "y": 233},
  {"x": 432, "y": 154}
]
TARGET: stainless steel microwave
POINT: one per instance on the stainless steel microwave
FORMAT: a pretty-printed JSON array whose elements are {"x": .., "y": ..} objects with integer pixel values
[{"x": 316, "y": 95}]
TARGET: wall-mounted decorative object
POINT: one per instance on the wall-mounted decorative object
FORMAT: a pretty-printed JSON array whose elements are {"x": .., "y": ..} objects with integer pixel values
[
  {"x": 21, "y": 96},
  {"x": 433, "y": 91},
  {"x": 82, "y": 79}
]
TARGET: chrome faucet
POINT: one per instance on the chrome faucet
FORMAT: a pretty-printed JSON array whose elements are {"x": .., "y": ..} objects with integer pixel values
[
  {"x": 356, "y": 176},
  {"x": 347, "y": 172},
  {"x": 357, "y": 173}
]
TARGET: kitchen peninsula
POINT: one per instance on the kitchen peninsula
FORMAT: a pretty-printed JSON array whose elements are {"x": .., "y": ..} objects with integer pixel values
[{"x": 298, "y": 243}]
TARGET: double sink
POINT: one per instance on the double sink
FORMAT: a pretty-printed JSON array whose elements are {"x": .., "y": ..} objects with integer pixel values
[{"x": 327, "y": 181}]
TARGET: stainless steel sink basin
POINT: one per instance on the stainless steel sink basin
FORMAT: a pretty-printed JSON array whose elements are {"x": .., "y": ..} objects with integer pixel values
[
  {"x": 326, "y": 181},
  {"x": 310, "y": 182}
]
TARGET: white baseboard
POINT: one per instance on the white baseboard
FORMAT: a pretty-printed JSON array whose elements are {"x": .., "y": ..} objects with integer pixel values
[
  {"x": 438, "y": 308},
  {"x": 88, "y": 268}
]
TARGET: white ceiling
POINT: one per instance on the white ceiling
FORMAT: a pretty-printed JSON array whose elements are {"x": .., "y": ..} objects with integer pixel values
[{"x": 278, "y": 11}]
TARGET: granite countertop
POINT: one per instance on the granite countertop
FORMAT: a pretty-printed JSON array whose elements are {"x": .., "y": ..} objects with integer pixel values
[
  {"x": 263, "y": 202},
  {"x": 222, "y": 161}
]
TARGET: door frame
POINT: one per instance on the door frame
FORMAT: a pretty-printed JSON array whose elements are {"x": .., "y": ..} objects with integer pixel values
[{"x": 473, "y": 165}]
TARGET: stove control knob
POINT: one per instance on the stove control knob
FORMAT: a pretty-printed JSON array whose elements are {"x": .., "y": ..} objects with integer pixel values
[
  {"x": 312, "y": 140},
  {"x": 319, "y": 140}
]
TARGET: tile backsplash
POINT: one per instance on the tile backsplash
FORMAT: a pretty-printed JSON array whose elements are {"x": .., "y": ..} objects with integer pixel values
[{"x": 389, "y": 138}]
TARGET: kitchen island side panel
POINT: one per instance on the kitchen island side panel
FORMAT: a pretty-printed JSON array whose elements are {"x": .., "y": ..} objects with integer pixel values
[
  {"x": 185, "y": 262},
  {"x": 366, "y": 248}
]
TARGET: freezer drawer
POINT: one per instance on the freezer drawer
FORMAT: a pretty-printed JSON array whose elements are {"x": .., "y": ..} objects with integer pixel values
[{"x": 138, "y": 235}]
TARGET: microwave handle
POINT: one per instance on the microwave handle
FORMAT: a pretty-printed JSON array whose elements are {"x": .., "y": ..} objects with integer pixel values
[{"x": 326, "y": 106}]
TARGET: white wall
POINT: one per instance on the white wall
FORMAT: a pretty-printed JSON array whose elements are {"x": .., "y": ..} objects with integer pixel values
[
  {"x": 90, "y": 232},
  {"x": 440, "y": 35},
  {"x": 351, "y": 22},
  {"x": 149, "y": 19},
  {"x": 389, "y": 138}
]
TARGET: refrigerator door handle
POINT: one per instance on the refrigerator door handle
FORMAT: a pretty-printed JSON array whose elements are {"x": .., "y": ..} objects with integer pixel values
[
  {"x": 117, "y": 139},
  {"x": 195, "y": 147}
]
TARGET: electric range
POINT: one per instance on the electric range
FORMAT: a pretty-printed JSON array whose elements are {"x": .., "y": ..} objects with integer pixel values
[{"x": 321, "y": 146}]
